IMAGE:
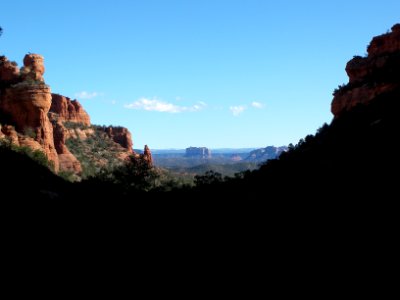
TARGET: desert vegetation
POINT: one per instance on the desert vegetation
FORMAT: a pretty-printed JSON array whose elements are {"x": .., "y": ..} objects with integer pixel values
[{"x": 96, "y": 152}]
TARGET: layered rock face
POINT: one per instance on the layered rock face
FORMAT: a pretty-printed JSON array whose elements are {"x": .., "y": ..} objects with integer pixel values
[
  {"x": 12, "y": 135},
  {"x": 371, "y": 76},
  {"x": 31, "y": 116},
  {"x": 120, "y": 135},
  {"x": 63, "y": 109},
  {"x": 27, "y": 103},
  {"x": 69, "y": 110},
  {"x": 68, "y": 162}
]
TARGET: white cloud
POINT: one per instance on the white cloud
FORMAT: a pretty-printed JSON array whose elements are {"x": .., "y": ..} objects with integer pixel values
[
  {"x": 162, "y": 106},
  {"x": 256, "y": 104},
  {"x": 237, "y": 110},
  {"x": 87, "y": 95}
]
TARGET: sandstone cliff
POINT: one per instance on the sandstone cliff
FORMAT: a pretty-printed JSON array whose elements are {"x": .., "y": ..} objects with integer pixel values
[
  {"x": 68, "y": 162},
  {"x": 370, "y": 76},
  {"x": 68, "y": 110},
  {"x": 30, "y": 115},
  {"x": 27, "y": 103},
  {"x": 120, "y": 135},
  {"x": 84, "y": 148}
]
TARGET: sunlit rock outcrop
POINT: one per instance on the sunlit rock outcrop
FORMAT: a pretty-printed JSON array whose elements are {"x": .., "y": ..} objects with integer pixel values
[
  {"x": 27, "y": 102},
  {"x": 68, "y": 110},
  {"x": 31, "y": 116}
]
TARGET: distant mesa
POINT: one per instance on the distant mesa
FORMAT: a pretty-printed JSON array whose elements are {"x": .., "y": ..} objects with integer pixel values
[
  {"x": 198, "y": 152},
  {"x": 264, "y": 154}
]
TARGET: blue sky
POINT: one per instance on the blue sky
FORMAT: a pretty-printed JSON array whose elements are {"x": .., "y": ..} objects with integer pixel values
[{"x": 215, "y": 73}]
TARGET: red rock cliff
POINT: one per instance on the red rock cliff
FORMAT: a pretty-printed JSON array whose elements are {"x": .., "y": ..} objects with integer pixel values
[
  {"x": 120, "y": 135},
  {"x": 27, "y": 103},
  {"x": 69, "y": 110},
  {"x": 371, "y": 76},
  {"x": 31, "y": 116},
  {"x": 68, "y": 162},
  {"x": 9, "y": 71}
]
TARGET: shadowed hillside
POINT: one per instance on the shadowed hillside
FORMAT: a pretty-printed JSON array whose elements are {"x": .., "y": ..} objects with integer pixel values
[{"x": 25, "y": 175}]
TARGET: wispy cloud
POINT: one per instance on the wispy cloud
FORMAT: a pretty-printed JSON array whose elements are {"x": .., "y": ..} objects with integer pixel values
[
  {"x": 256, "y": 104},
  {"x": 162, "y": 106},
  {"x": 237, "y": 110},
  {"x": 87, "y": 95}
]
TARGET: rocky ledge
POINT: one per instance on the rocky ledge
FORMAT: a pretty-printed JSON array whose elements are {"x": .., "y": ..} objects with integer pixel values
[{"x": 370, "y": 76}]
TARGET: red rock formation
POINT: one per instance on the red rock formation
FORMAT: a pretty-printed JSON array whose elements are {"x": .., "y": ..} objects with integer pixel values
[
  {"x": 8, "y": 71},
  {"x": 78, "y": 133},
  {"x": 68, "y": 110},
  {"x": 371, "y": 76},
  {"x": 33, "y": 68},
  {"x": 63, "y": 109},
  {"x": 9, "y": 132},
  {"x": 38, "y": 117},
  {"x": 120, "y": 135},
  {"x": 25, "y": 141},
  {"x": 27, "y": 104},
  {"x": 386, "y": 43},
  {"x": 146, "y": 156},
  {"x": 68, "y": 162}
]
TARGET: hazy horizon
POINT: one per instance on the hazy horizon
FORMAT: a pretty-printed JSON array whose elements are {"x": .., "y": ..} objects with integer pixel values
[
  {"x": 218, "y": 74},
  {"x": 212, "y": 149}
]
